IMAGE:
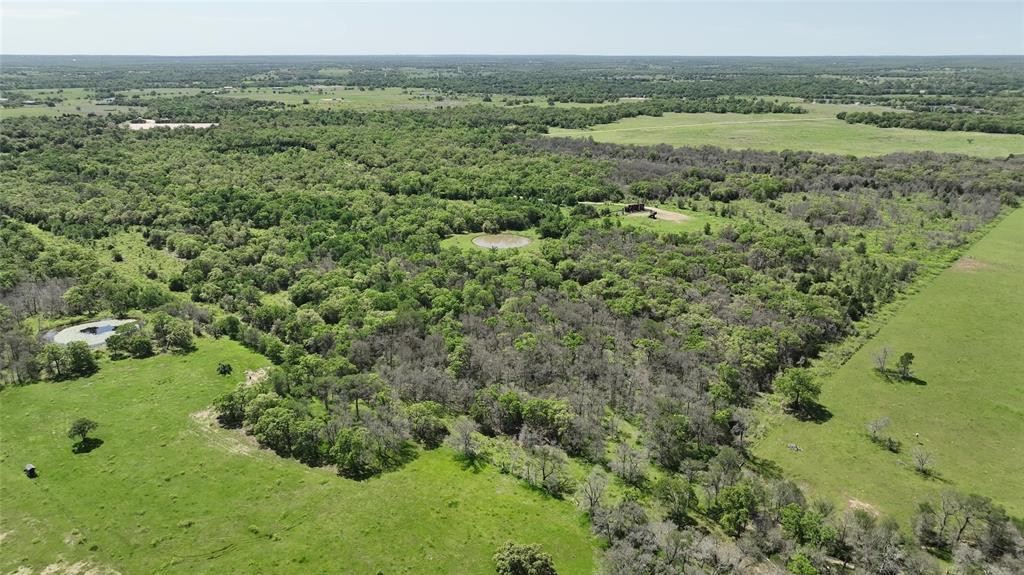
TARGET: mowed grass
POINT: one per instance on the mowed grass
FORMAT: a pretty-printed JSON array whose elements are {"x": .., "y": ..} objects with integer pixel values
[
  {"x": 966, "y": 331},
  {"x": 694, "y": 223},
  {"x": 169, "y": 492},
  {"x": 817, "y": 131},
  {"x": 465, "y": 241}
]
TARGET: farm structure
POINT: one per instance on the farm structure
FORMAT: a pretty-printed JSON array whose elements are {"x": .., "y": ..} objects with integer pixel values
[{"x": 639, "y": 208}]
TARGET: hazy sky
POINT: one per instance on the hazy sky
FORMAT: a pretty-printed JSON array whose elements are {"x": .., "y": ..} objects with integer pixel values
[{"x": 759, "y": 27}]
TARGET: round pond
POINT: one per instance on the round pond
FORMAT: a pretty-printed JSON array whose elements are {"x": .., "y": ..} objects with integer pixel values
[{"x": 93, "y": 333}]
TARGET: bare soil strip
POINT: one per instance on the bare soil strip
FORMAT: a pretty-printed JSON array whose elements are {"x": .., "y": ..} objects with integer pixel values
[
  {"x": 501, "y": 241},
  {"x": 966, "y": 264}
]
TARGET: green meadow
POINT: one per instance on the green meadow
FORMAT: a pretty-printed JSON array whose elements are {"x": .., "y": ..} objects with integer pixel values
[
  {"x": 965, "y": 329},
  {"x": 75, "y": 101},
  {"x": 82, "y": 100},
  {"x": 693, "y": 221},
  {"x": 465, "y": 241},
  {"x": 818, "y": 131},
  {"x": 170, "y": 491}
]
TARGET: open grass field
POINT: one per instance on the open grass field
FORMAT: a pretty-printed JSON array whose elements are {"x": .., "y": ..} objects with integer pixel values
[
  {"x": 818, "y": 131},
  {"x": 82, "y": 101},
  {"x": 76, "y": 101},
  {"x": 670, "y": 218},
  {"x": 168, "y": 491},
  {"x": 352, "y": 98},
  {"x": 465, "y": 241},
  {"x": 347, "y": 98},
  {"x": 965, "y": 329}
]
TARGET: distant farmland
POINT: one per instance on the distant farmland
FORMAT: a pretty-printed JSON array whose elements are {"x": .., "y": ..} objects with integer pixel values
[{"x": 818, "y": 131}]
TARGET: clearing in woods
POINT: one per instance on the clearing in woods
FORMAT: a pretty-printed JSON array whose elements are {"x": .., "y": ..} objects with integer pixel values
[
  {"x": 169, "y": 491},
  {"x": 967, "y": 403},
  {"x": 501, "y": 241},
  {"x": 819, "y": 130},
  {"x": 522, "y": 240}
]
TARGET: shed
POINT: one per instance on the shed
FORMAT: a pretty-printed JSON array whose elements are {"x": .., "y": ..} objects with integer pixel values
[{"x": 633, "y": 208}]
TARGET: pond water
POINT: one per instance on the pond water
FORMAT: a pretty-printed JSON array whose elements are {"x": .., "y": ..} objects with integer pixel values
[{"x": 93, "y": 333}]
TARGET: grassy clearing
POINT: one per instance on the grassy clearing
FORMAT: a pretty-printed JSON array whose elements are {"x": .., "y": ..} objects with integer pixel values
[
  {"x": 818, "y": 130},
  {"x": 168, "y": 491},
  {"x": 465, "y": 241},
  {"x": 82, "y": 100},
  {"x": 137, "y": 258},
  {"x": 76, "y": 101},
  {"x": 965, "y": 329},
  {"x": 695, "y": 223},
  {"x": 347, "y": 98}
]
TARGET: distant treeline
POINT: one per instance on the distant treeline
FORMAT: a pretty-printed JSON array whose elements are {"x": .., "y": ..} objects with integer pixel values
[
  {"x": 939, "y": 121},
  {"x": 568, "y": 79},
  {"x": 208, "y": 108}
]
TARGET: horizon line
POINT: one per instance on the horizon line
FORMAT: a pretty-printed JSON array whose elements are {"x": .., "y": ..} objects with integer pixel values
[{"x": 517, "y": 54}]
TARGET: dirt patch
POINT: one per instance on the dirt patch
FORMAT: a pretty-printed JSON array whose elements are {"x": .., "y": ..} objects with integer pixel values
[
  {"x": 252, "y": 377},
  {"x": 150, "y": 124},
  {"x": 501, "y": 241},
  {"x": 966, "y": 264},
  {"x": 662, "y": 215},
  {"x": 80, "y": 568},
  {"x": 74, "y": 538},
  {"x": 230, "y": 440},
  {"x": 857, "y": 504}
]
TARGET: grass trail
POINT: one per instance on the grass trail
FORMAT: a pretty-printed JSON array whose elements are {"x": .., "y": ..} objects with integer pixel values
[{"x": 966, "y": 330}]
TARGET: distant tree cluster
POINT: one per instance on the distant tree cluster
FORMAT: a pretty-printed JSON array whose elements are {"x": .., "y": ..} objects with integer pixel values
[{"x": 939, "y": 121}]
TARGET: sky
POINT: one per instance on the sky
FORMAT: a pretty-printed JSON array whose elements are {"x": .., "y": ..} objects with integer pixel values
[{"x": 683, "y": 28}]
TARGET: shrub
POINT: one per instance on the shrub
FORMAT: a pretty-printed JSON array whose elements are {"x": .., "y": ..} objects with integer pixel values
[
  {"x": 519, "y": 559},
  {"x": 426, "y": 423}
]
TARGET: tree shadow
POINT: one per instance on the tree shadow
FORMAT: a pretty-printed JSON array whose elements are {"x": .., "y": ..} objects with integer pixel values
[
  {"x": 939, "y": 553},
  {"x": 933, "y": 475},
  {"x": 893, "y": 376},
  {"x": 86, "y": 445},
  {"x": 476, "y": 464},
  {"x": 813, "y": 412},
  {"x": 406, "y": 454},
  {"x": 765, "y": 467}
]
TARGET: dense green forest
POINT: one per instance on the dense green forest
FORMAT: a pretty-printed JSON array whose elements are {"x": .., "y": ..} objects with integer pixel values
[{"x": 314, "y": 238}]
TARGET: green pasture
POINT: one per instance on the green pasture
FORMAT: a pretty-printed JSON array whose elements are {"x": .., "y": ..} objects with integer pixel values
[
  {"x": 817, "y": 131},
  {"x": 465, "y": 241},
  {"x": 694, "y": 223},
  {"x": 75, "y": 101},
  {"x": 168, "y": 491},
  {"x": 966, "y": 407}
]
